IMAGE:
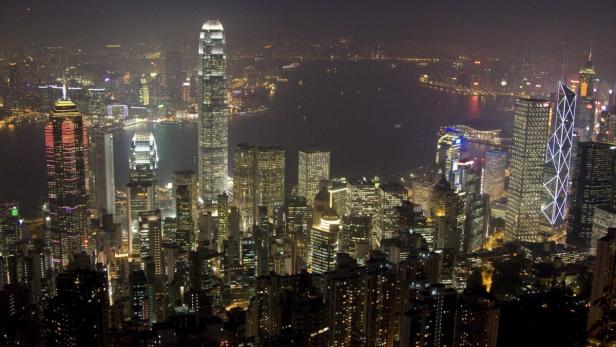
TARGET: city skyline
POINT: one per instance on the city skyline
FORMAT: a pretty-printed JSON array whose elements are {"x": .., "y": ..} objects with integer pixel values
[{"x": 325, "y": 179}]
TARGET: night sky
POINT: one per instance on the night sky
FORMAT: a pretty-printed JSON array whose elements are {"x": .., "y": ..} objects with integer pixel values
[{"x": 513, "y": 25}]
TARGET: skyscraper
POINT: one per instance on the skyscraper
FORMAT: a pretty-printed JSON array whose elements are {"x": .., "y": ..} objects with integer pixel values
[
  {"x": 530, "y": 135},
  {"x": 66, "y": 152},
  {"x": 558, "y": 157},
  {"x": 586, "y": 107},
  {"x": 142, "y": 181},
  {"x": 493, "y": 175},
  {"x": 323, "y": 245},
  {"x": 213, "y": 113},
  {"x": 258, "y": 180},
  {"x": 592, "y": 187},
  {"x": 312, "y": 172},
  {"x": 448, "y": 154},
  {"x": 101, "y": 155},
  {"x": 150, "y": 236}
]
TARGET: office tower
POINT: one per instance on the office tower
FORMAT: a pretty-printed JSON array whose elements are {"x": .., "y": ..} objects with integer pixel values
[
  {"x": 447, "y": 211},
  {"x": 213, "y": 113},
  {"x": 467, "y": 177},
  {"x": 584, "y": 124},
  {"x": 204, "y": 274},
  {"x": 223, "y": 219},
  {"x": 603, "y": 292},
  {"x": 231, "y": 270},
  {"x": 476, "y": 223},
  {"x": 150, "y": 236},
  {"x": 592, "y": 187},
  {"x": 323, "y": 248},
  {"x": 603, "y": 219},
  {"x": 312, "y": 172},
  {"x": 249, "y": 265},
  {"x": 298, "y": 219},
  {"x": 558, "y": 158},
  {"x": 391, "y": 195},
  {"x": 493, "y": 175},
  {"x": 101, "y": 157},
  {"x": 448, "y": 154},
  {"x": 185, "y": 233},
  {"x": 258, "y": 180},
  {"x": 355, "y": 236},
  {"x": 66, "y": 152},
  {"x": 338, "y": 196},
  {"x": 189, "y": 179},
  {"x": 530, "y": 135},
  {"x": 78, "y": 314},
  {"x": 363, "y": 200},
  {"x": 142, "y": 181}
]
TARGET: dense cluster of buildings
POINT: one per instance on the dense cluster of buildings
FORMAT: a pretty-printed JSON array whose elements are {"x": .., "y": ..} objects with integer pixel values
[{"x": 255, "y": 260}]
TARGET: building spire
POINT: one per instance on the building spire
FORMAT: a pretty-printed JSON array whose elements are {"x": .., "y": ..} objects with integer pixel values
[
  {"x": 590, "y": 53},
  {"x": 64, "y": 91}
]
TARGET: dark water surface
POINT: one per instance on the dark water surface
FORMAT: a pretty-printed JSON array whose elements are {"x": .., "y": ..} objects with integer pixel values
[{"x": 353, "y": 112}]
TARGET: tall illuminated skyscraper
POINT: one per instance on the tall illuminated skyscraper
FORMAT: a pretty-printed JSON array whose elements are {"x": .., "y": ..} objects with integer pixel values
[
  {"x": 493, "y": 174},
  {"x": 323, "y": 245},
  {"x": 593, "y": 186},
  {"x": 530, "y": 135},
  {"x": 312, "y": 172},
  {"x": 558, "y": 157},
  {"x": 101, "y": 155},
  {"x": 258, "y": 180},
  {"x": 586, "y": 105},
  {"x": 448, "y": 154},
  {"x": 66, "y": 153},
  {"x": 213, "y": 113},
  {"x": 142, "y": 181}
]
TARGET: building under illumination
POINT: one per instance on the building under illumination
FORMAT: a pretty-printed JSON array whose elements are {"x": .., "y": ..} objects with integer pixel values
[
  {"x": 493, "y": 174},
  {"x": 558, "y": 157},
  {"x": 313, "y": 172},
  {"x": 323, "y": 243},
  {"x": 213, "y": 112},
  {"x": 448, "y": 154},
  {"x": 258, "y": 180},
  {"x": 103, "y": 184},
  {"x": 585, "y": 121},
  {"x": 66, "y": 153},
  {"x": 142, "y": 181},
  {"x": 530, "y": 135}
]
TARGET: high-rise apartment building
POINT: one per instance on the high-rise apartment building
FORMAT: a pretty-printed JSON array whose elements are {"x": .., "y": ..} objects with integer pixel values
[
  {"x": 213, "y": 113},
  {"x": 603, "y": 292},
  {"x": 313, "y": 171},
  {"x": 530, "y": 135},
  {"x": 66, "y": 153}
]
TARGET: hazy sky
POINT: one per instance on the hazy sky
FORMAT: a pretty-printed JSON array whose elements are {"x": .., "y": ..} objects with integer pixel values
[{"x": 513, "y": 24}]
